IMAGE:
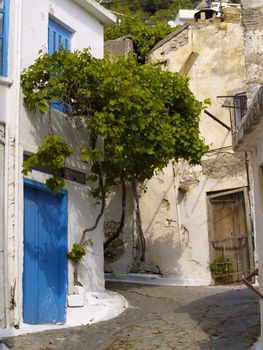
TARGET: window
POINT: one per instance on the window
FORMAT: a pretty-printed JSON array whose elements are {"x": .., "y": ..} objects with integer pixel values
[
  {"x": 4, "y": 12},
  {"x": 57, "y": 36},
  {"x": 240, "y": 107}
]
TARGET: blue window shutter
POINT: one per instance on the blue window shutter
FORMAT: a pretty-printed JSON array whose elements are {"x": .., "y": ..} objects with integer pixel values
[
  {"x": 58, "y": 37},
  {"x": 4, "y": 12}
]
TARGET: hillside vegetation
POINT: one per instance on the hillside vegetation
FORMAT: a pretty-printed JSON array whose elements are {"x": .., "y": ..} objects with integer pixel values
[{"x": 151, "y": 11}]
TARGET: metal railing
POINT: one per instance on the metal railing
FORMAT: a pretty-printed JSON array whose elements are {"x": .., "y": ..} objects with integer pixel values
[{"x": 246, "y": 279}]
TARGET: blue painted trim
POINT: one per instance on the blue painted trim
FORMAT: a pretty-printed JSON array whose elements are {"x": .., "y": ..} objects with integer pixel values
[
  {"x": 55, "y": 31},
  {"x": 5, "y": 36},
  {"x": 64, "y": 208},
  {"x": 43, "y": 187}
]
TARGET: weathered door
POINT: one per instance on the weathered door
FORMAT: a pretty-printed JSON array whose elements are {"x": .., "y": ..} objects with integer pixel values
[
  {"x": 45, "y": 260},
  {"x": 229, "y": 234}
]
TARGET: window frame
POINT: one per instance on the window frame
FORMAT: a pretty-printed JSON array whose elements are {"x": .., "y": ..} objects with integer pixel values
[
  {"x": 4, "y": 37},
  {"x": 61, "y": 30}
]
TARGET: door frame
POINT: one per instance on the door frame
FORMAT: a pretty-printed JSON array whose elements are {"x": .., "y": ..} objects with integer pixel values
[
  {"x": 211, "y": 195},
  {"x": 64, "y": 207}
]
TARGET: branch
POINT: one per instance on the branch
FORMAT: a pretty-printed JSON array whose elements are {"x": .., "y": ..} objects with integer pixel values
[
  {"x": 103, "y": 201},
  {"x": 123, "y": 214},
  {"x": 139, "y": 220}
]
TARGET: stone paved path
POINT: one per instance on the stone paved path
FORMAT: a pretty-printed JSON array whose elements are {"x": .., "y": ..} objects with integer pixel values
[{"x": 164, "y": 318}]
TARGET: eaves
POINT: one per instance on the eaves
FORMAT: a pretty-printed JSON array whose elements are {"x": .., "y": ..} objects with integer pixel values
[{"x": 97, "y": 11}]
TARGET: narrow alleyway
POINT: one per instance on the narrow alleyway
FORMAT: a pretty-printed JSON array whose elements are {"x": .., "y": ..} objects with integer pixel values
[{"x": 165, "y": 318}]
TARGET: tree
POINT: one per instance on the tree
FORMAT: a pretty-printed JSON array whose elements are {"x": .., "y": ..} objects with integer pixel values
[
  {"x": 146, "y": 117},
  {"x": 148, "y": 8}
]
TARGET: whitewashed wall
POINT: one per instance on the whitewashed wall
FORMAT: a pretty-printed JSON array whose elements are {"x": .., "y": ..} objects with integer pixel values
[
  {"x": 28, "y": 33},
  {"x": 88, "y": 33}
]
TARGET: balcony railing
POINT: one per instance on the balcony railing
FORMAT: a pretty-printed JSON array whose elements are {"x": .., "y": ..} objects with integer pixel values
[{"x": 247, "y": 120}]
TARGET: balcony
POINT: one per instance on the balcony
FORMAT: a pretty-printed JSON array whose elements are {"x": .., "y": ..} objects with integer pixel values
[{"x": 247, "y": 127}]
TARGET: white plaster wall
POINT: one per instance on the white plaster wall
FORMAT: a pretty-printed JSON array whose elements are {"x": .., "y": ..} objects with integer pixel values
[
  {"x": 3, "y": 101},
  {"x": 113, "y": 213},
  {"x": 176, "y": 224},
  {"x": 87, "y": 31},
  {"x": 257, "y": 158},
  {"x": 82, "y": 211}
]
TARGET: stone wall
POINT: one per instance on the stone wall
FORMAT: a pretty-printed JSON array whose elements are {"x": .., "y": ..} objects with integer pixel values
[
  {"x": 118, "y": 47},
  {"x": 252, "y": 21}
]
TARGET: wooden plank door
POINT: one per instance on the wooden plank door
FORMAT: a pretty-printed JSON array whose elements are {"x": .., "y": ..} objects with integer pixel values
[
  {"x": 45, "y": 255},
  {"x": 229, "y": 236}
]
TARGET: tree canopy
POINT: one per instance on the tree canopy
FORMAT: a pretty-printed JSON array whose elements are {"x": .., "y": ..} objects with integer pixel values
[
  {"x": 146, "y": 116},
  {"x": 150, "y": 9}
]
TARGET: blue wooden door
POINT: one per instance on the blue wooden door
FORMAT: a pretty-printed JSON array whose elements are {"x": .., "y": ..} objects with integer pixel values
[{"x": 45, "y": 255}]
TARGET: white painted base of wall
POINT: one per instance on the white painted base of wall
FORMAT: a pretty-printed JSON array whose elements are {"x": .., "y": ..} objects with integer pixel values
[
  {"x": 257, "y": 345},
  {"x": 76, "y": 300},
  {"x": 3, "y": 347},
  {"x": 156, "y": 279},
  {"x": 98, "y": 307}
]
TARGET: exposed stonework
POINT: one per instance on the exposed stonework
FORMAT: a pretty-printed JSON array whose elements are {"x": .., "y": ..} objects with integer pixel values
[
  {"x": 223, "y": 164},
  {"x": 188, "y": 176},
  {"x": 252, "y": 18},
  {"x": 119, "y": 47},
  {"x": 178, "y": 41},
  {"x": 252, "y": 21}
]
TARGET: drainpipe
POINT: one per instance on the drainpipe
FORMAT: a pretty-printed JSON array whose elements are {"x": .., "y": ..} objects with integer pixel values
[
  {"x": 176, "y": 190},
  {"x": 3, "y": 223},
  {"x": 18, "y": 175},
  {"x": 251, "y": 213},
  {"x": 2, "y": 140}
]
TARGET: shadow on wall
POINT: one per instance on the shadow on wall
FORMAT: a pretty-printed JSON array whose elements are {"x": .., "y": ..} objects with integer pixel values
[
  {"x": 163, "y": 247},
  {"x": 161, "y": 227},
  {"x": 119, "y": 256},
  {"x": 82, "y": 208}
]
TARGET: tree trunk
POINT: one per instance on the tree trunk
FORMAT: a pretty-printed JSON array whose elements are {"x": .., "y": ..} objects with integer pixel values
[
  {"x": 123, "y": 214},
  {"x": 139, "y": 221},
  {"x": 103, "y": 201},
  {"x": 75, "y": 274}
]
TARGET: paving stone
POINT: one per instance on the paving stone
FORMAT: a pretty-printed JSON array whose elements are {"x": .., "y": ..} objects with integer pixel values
[{"x": 162, "y": 318}]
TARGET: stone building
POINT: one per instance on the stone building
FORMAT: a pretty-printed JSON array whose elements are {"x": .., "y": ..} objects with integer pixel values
[
  {"x": 248, "y": 135},
  {"x": 194, "y": 215}
]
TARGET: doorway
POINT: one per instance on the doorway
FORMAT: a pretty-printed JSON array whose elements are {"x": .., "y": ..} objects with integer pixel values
[
  {"x": 229, "y": 236},
  {"x": 45, "y": 255}
]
